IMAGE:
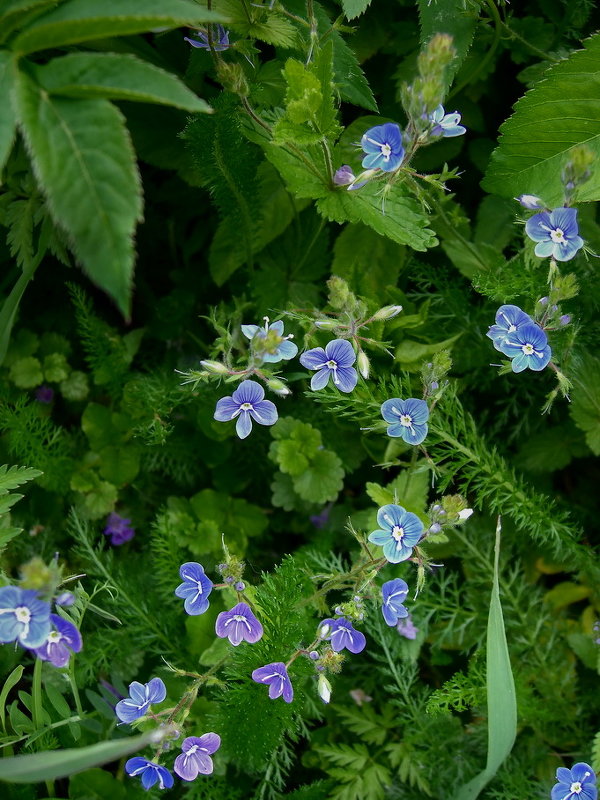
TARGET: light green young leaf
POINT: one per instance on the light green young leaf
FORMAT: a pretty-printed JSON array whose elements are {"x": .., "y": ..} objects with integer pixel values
[
  {"x": 116, "y": 77},
  {"x": 83, "y": 159},
  {"x": 8, "y": 120},
  {"x": 13, "y": 477},
  {"x": 562, "y": 111},
  {"x": 403, "y": 219},
  {"x": 82, "y": 20},
  {"x": 448, "y": 16},
  {"x": 354, "y": 8},
  {"x": 501, "y": 697},
  {"x": 53, "y": 764}
]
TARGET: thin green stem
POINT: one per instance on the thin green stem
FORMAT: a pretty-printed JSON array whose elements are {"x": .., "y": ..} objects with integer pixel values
[
  {"x": 36, "y": 691},
  {"x": 514, "y": 35},
  {"x": 74, "y": 689}
]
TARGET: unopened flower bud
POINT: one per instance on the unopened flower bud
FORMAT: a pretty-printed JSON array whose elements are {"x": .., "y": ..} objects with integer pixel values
[
  {"x": 324, "y": 689},
  {"x": 543, "y": 301},
  {"x": 433, "y": 386},
  {"x": 465, "y": 514},
  {"x": 530, "y": 201},
  {"x": 240, "y": 586},
  {"x": 344, "y": 176},
  {"x": 229, "y": 579},
  {"x": 565, "y": 319},
  {"x": 363, "y": 364},
  {"x": 323, "y": 631},
  {"x": 339, "y": 610},
  {"x": 435, "y": 528},
  {"x": 65, "y": 599},
  {"x": 214, "y": 366},
  {"x": 325, "y": 324},
  {"x": 314, "y": 655},
  {"x": 387, "y": 312},
  {"x": 222, "y": 567},
  {"x": 279, "y": 387}
]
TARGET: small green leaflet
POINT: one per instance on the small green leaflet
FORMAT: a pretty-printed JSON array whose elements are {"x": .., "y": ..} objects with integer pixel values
[
  {"x": 560, "y": 112},
  {"x": 84, "y": 162},
  {"x": 501, "y": 697},
  {"x": 116, "y": 77},
  {"x": 82, "y": 20},
  {"x": 354, "y": 8}
]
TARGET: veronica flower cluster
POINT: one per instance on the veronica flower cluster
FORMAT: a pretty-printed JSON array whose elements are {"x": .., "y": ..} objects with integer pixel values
[
  {"x": 555, "y": 232},
  {"x": 519, "y": 337},
  {"x": 27, "y": 619}
]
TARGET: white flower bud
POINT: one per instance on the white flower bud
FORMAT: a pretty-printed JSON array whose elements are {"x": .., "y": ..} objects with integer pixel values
[
  {"x": 326, "y": 324},
  {"x": 324, "y": 688},
  {"x": 387, "y": 312},
  {"x": 465, "y": 514},
  {"x": 323, "y": 631},
  {"x": 214, "y": 366},
  {"x": 363, "y": 364},
  {"x": 279, "y": 387}
]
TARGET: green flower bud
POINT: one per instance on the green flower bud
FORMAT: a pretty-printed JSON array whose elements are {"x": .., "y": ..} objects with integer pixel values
[
  {"x": 215, "y": 367},
  {"x": 387, "y": 312},
  {"x": 363, "y": 364},
  {"x": 326, "y": 324},
  {"x": 279, "y": 387}
]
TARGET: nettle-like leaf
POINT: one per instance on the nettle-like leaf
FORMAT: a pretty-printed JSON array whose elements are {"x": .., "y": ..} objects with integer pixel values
[
  {"x": 358, "y": 245},
  {"x": 116, "y": 76},
  {"x": 83, "y": 20},
  {"x": 84, "y": 162},
  {"x": 561, "y": 112},
  {"x": 452, "y": 17},
  {"x": 585, "y": 408},
  {"x": 354, "y": 8},
  {"x": 259, "y": 22},
  {"x": 8, "y": 120}
]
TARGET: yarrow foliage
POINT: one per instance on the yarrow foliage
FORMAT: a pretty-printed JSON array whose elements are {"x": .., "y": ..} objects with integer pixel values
[
  {"x": 383, "y": 147},
  {"x": 335, "y": 362},
  {"x": 407, "y": 418},
  {"x": 195, "y": 588},
  {"x": 247, "y": 403},
  {"x": 556, "y": 233},
  {"x": 141, "y": 697},
  {"x": 399, "y": 532},
  {"x": 276, "y": 677}
]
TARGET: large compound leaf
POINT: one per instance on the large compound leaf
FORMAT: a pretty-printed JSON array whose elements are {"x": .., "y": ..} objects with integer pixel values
[
  {"x": 84, "y": 162},
  {"x": 8, "y": 122},
  {"x": 448, "y": 16},
  {"x": 562, "y": 111},
  {"x": 83, "y": 20},
  {"x": 116, "y": 77}
]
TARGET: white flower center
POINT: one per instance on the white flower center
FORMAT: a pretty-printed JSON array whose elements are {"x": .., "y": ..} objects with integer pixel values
[
  {"x": 386, "y": 151},
  {"x": 331, "y": 364},
  {"x": 398, "y": 533},
  {"x": 54, "y": 637},
  {"x": 557, "y": 235},
  {"x": 406, "y": 420},
  {"x": 192, "y": 750},
  {"x": 528, "y": 349},
  {"x": 576, "y": 787},
  {"x": 23, "y": 614},
  {"x": 246, "y": 407}
]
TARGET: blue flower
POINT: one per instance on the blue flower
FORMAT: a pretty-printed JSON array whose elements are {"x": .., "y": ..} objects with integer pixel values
[
  {"x": 556, "y": 233},
  {"x": 335, "y": 361},
  {"x": 238, "y": 624},
  {"x": 383, "y": 146},
  {"x": 23, "y": 617},
  {"x": 400, "y": 530},
  {"x": 275, "y": 676},
  {"x": 528, "y": 348},
  {"x": 407, "y": 418},
  {"x": 508, "y": 320},
  {"x": 141, "y": 697},
  {"x": 60, "y": 642},
  {"x": 149, "y": 772},
  {"x": 195, "y": 757},
  {"x": 577, "y": 783},
  {"x": 446, "y": 124},
  {"x": 394, "y": 594},
  {"x": 119, "y": 529},
  {"x": 195, "y": 588},
  {"x": 270, "y": 342},
  {"x": 220, "y": 42},
  {"x": 342, "y": 635},
  {"x": 247, "y": 403}
]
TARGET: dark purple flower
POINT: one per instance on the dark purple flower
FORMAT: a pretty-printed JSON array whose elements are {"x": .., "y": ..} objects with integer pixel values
[
  {"x": 149, "y": 772},
  {"x": 335, "y": 361},
  {"x": 342, "y": 634},
  {"x": 219, "y": 42},
  {"x": 60, "y": 642},
  {"x": 238, "y": 624},
  {"x": 321, "y": 519},
  {"x": 577, "y": 783},
  {"x": 195, "y": 757},
  {"x": 141, "y": 697},
  {"x": 247, "y": 403},
  {"x": 394, "y": 594},
  {"x": 276, "y": 677},
  {"x": 406, "y": 628},
  {"x": 119, "y": 528},
  {"x": 195, "y": 588},
  {"x": 44, "y": 394}
]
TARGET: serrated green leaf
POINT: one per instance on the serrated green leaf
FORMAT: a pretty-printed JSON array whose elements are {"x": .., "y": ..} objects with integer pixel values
[
  {"x": 402, "y": 220},
  {"x": 358, "y": 245},
  {"x": 82, "y": 20},
  {"x": 304, "y": 177},
  {"x": 60, "y": 763},
  {"x": 348, "y": 76},
  {"x": 116, "y": 77},
  {"x": 26, "y": 373},
  {"x": 83, "y": 159},
  {"x": 585, "y": 405},
  {"x": 16, "y": 13},
  {"x": 451, "y": 17},
  {"x": 354, "y": 8},
  {"x": 8, "y": 119},
  {"x": 561, "y": 112}
]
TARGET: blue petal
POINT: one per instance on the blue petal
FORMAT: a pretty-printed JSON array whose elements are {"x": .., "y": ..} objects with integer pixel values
[
  {"x": 135, "y": 764},
  {"x": 380, "y": 537},
  {"x": 417, "y": 409},
  {"x": 149, "y": 777},
  {"x": 347, "y": 378},
  {"x": 39, "y": 628},
  {"x": 508, "y": 316},
  {"x": 319, "y": 379},
  {"x": 157, "y": 690},
  {"x": 538, "y": 227},
  {"x": 396, "y": 431},
  {"x": 393, "y": 162},
  {"x": 566, "y": 220},
  {"x": 582, "y": 773},
  {"x": 391, "y": 409},
  {"x": 544, "y": 249},
  {"x": 373, "y": 161},
  {"x": 565, "y": 251},
  {"x": 520, "y": 362},
  {"x": 137, "y": 692},
  {"x": 248, "y": 392},
  {"x": 277, "y": 327},
  {"x": 288, "y": 349},
  {"x": 340, "y": 351},
  {"x": 389, "y": 615},
  {"x": 390, "y": 515},
  {"x": 250, "y": 331},
  {"x": 226, "y": 409},
  {"x": 456, "y": 130},
  {"x": 9, "y": 628},
  {"x": 243, "y": 426},
  {"x": 395, "y": 554},
  {"x": 313, "y": 359},
  {"x": 416, "y": 434},
  {"x": 128, "y": 711},
  {"x": 265, "y": 413},
  {"x": 541, "y": 361}
]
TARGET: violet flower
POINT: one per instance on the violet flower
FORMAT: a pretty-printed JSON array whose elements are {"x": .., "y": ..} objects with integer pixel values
[{"x": 238, "y": 624}]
